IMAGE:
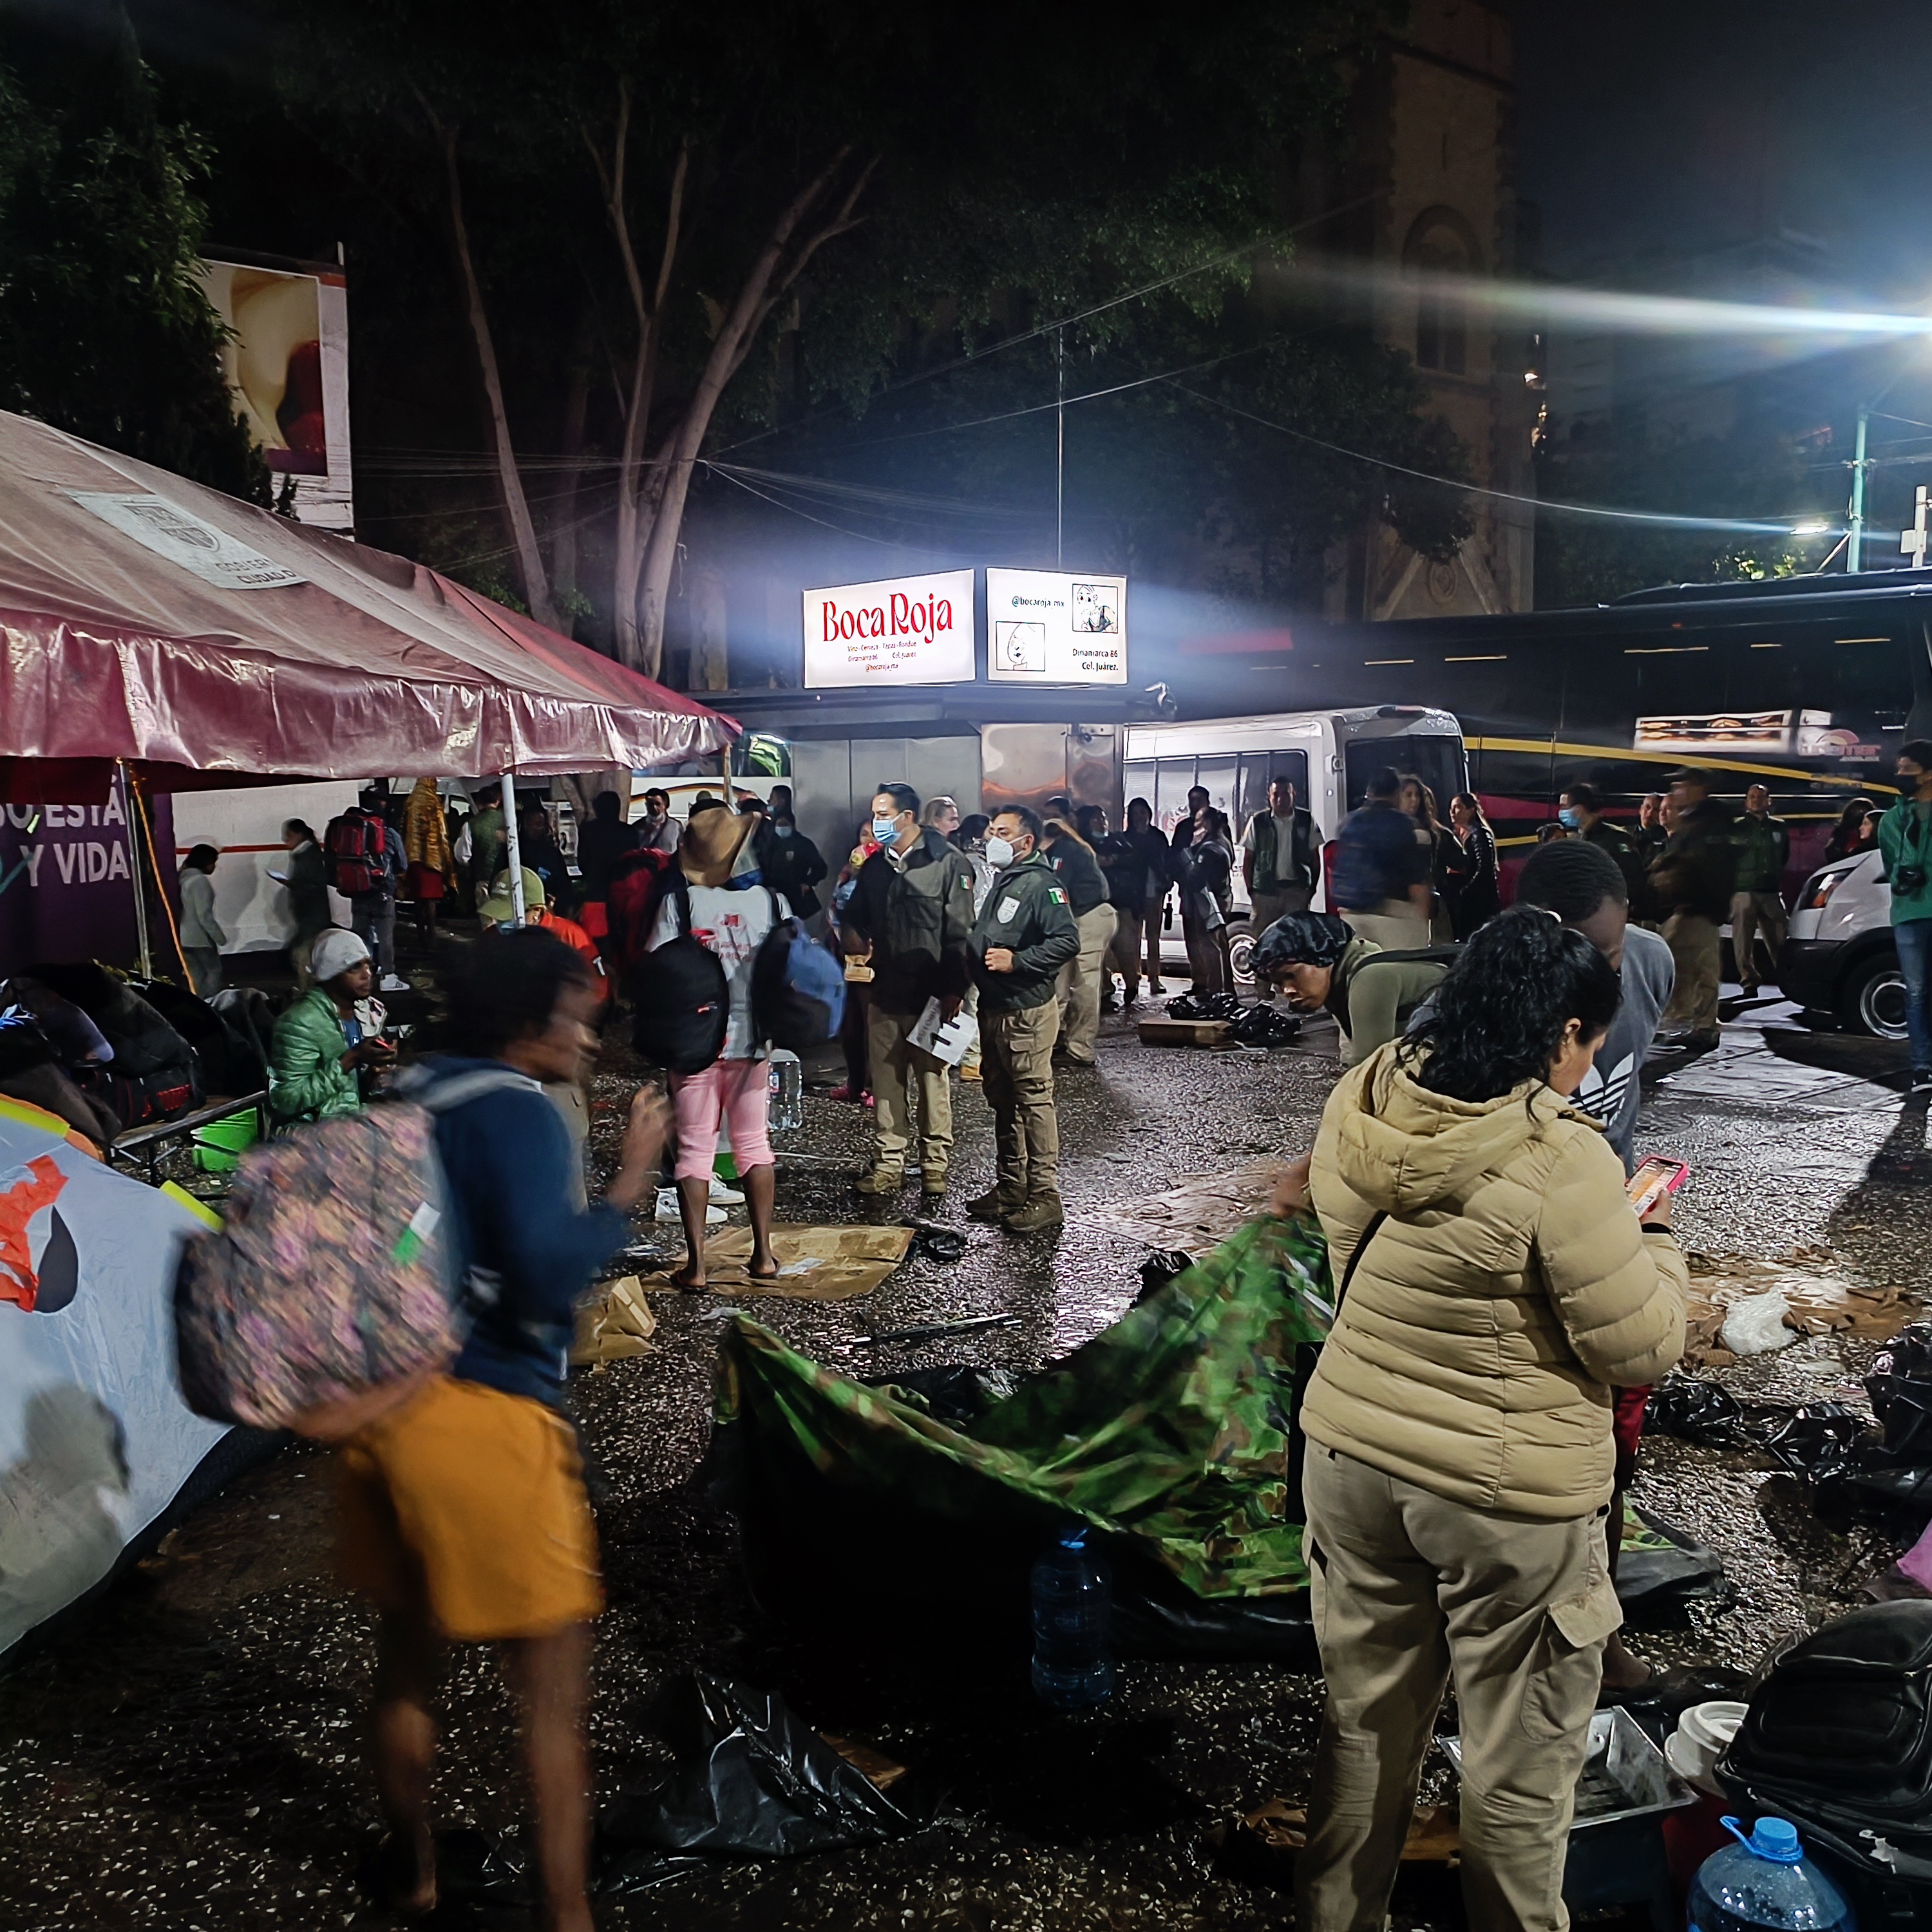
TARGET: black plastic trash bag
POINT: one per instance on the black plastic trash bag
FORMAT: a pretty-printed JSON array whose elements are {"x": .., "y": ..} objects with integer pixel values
[
  {"x": 1204, "y": 1006},
  {"x": 1661, "y": 1569},
  {"x": 1699, "y": 1412},
  {"x": 1267, "y": 1026},
  {"x": 1163, "y": 1266},
  {"x": 1821, "y": 1441},
  {"x": 752, "y": 1780},
  {"x": 1900, "y": 1388}
]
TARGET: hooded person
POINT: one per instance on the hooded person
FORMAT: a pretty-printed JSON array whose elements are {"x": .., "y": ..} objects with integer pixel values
[
  {"x": 735, "y": 1090},
  {"x": 1319, "y": 964},
  {"x": 318, "y": 1048},
  {"x": 1495, "y": 1287},
  {"x": 431, "y": 875}
]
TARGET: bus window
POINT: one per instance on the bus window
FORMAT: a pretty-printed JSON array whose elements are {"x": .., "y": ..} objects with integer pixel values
[
  {"x": 1218, "y": 775},
  {"x": 1171, "y": 784},
  {"x": 1438, "y": 762},
  {"x": 1257, "y": 769}
]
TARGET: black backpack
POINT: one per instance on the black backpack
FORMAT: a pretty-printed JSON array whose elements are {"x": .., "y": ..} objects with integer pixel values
[
  {"x": 1837, "y": 1737},
  {"x": 680, "y": 999}
]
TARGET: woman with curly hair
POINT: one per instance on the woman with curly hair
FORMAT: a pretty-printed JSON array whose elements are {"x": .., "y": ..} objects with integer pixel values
[{"x": 1496, "y": 1287}]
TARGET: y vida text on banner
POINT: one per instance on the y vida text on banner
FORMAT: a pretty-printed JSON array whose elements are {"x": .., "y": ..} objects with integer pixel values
[{"x": 66, "y": 890}]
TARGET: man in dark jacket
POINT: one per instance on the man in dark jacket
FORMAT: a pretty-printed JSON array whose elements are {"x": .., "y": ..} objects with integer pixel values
[
  {"x": 1024, "y": 934},
  {"x": 1380, "y": 882},
  {"x": 1691, "y": 882},
  {"x": 788, "y": 861},
  {"x": 1582, "y": 814},
  {"x": 1757, "y": 892},
  {"x": 910, "y": 915}
]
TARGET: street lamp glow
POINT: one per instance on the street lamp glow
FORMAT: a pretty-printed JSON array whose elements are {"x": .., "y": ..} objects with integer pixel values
[{"x": 1817, "y": 527}]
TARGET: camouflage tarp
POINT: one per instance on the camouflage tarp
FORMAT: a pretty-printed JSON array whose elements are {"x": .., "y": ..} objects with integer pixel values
[{"x": 1171, "y": 1427}]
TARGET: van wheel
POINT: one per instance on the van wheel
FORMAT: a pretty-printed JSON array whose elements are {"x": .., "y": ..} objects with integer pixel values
[
  {"x": 1241, "y": 953},
  {"x": 1873, "y": 1000}
]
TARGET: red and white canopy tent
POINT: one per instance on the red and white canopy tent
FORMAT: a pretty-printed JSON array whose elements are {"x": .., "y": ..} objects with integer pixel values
[{"x": 149, "y": 622}]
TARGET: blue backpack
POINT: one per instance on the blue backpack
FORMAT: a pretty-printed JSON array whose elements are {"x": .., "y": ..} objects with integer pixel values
[{"x": 798, "y": 988}]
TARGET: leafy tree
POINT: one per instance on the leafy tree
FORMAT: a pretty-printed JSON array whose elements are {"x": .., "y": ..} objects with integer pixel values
[
  {"x": 1754, "y": 475},
  {"x": 855, "y": 176},
  {"x": 104, "y": 329}
]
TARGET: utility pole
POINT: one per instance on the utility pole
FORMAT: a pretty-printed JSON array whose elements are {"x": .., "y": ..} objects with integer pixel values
[
  {"x": 1855, "y": 543},
  {"x": 1060, "y": 457}
]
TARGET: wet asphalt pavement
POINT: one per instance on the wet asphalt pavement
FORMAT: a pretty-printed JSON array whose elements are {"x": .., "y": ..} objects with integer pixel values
[{"x": 188, "y": 1754}]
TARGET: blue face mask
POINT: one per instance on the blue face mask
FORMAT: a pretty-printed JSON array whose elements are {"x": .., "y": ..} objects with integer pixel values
[
  {"x": 1568, "y": 818},
  {"x": 886, "y": 831}
]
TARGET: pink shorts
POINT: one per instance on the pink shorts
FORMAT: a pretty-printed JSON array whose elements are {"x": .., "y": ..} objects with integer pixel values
[{"x": 736, "y": 1091}]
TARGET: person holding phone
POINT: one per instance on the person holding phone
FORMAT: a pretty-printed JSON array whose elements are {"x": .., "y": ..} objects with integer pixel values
[
  {"x": 1495, "y": 1288},
  {"x": 319, "y": 1047}
]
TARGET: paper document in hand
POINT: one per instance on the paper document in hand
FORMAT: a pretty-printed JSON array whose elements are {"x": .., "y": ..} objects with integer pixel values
[{"x": 950, "y": 1040}]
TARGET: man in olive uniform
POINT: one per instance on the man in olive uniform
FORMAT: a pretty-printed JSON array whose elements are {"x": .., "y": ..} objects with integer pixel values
[{"x": 1024, "y": 934}]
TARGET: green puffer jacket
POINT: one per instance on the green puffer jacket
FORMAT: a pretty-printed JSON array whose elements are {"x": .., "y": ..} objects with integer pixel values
[{"x": 307, "y": 1079}]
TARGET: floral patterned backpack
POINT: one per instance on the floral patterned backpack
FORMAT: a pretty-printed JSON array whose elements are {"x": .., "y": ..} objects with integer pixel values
[{"x": 328, "y": 1295}]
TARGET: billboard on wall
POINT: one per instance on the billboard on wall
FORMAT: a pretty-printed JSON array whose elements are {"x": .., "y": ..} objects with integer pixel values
[
  {"x": 905, "y": 630},
  {"x": 1056, "y": 627},
  {"x": 286, "y": 361}
]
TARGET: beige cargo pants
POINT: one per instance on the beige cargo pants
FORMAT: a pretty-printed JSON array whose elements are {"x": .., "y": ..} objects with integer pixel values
[
  {"x": 1016, "y": 1065},
  {"x": 1409, "y": 1589},
  {"x": 898, "y": 1069},
  {"x": 1079, "y": 988},
  {"x": 1697, "y": 947}
]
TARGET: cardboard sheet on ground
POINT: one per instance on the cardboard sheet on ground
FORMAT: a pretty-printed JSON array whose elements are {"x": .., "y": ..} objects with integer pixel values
[
  {"x": 95, "y": 1439},
  {"x": 814, "y": 1264},
  {"x": 616, "y": 1323},
  {"x": 1824, "y": 1300},
  {"x": 1199, "y": 1210},
  {"x": 1171, "y": 1428}
]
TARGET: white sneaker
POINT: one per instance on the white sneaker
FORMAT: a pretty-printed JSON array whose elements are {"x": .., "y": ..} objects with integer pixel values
[
  {"x": 390, "y": 984},
  {"x": 725, "y": 1196},
  {"x": 667, "y": 1209}
]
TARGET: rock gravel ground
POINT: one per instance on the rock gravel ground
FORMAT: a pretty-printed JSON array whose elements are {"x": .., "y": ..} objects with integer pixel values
[{"x": 187, "y": 1755}]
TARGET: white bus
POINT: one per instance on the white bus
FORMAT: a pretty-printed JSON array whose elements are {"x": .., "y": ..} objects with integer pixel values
[{"x": 1330, "y": 756}]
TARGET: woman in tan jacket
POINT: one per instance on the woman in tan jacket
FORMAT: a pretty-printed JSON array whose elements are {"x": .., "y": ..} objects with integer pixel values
[{"x": 1459, "y": 1455}]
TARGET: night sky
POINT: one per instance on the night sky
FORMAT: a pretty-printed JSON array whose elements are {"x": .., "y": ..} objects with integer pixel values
[{"x": 1700, "y": 124}]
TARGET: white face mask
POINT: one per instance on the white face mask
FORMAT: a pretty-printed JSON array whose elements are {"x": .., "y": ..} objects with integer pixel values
[{"x": 999, "y": 854}]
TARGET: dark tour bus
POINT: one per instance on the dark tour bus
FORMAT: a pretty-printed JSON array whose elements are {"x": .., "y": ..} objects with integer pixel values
[{"x": 1807, "y": 684}]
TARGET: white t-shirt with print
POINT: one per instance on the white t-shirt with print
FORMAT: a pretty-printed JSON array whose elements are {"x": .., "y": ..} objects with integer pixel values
[{"x": 732, "y": 925}]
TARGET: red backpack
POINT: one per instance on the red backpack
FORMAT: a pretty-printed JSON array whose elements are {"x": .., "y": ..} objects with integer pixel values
[
  {"x": 637, "y": 886},
  {"x": 353, "y": 851}
]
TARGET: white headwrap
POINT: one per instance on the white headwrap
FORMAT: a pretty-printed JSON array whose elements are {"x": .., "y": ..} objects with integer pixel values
[{"x": 335, "y": 952}]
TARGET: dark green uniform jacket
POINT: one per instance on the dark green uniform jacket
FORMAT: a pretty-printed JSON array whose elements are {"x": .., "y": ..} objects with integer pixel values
[
  {"x": 1027, "y": 910},
  {"x": 1374, "y": 994}
]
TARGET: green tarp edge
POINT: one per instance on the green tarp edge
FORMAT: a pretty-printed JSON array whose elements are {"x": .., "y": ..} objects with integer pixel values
[{"x": 1171, "y": 1427}]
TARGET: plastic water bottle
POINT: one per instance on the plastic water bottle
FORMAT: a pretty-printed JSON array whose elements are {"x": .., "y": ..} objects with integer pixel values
[
  {"x": 1765, "y": 1881},
  {"x": 788, "y": 1084},
  {"x": 1073, "y": 1609}
]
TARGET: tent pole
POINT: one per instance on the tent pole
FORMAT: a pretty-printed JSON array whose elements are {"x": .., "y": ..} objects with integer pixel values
[
  {"x": 513, "y": 850},
  {"x": 134, "y": 872}
]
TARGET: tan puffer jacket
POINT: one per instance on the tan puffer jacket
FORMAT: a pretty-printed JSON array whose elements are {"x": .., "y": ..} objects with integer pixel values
[{"x": 1508, "y": 1292}]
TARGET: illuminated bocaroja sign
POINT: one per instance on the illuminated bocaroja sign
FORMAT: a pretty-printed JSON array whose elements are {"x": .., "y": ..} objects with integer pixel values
[{"x": 907, "y": 630}]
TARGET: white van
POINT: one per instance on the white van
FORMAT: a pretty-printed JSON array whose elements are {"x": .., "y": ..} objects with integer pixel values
[
  {"x": 251, "y": 907},
  {"x": 1329, "y": 755},
  {"x": 1839, "y": 955}
]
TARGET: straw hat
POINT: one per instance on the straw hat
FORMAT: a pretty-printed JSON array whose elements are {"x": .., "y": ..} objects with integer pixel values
[{"x": 714, "y": 835}]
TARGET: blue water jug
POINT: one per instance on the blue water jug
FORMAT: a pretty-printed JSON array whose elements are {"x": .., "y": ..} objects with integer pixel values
[
  {"x": 1765, "y": 1880},
  {"x": 1073, "y": 1609}
]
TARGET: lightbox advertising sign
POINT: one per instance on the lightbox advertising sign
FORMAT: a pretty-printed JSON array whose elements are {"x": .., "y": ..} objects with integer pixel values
[
  {"x": 1048, "y": 627},
  {"x": 907, "y": 630}
]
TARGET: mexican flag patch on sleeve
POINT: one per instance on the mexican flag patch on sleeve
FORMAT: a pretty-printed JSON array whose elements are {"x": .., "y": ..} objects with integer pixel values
[{"x": 1056, "y": 894}]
